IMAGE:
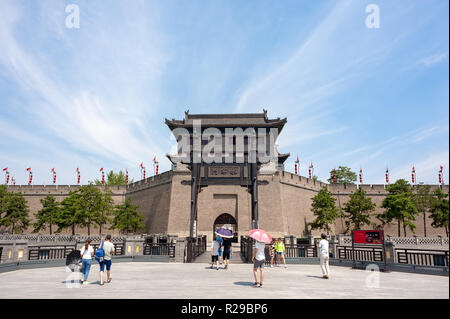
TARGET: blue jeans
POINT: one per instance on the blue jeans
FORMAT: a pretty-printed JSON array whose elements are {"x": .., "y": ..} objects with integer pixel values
[{"x": 86, "y": 267}]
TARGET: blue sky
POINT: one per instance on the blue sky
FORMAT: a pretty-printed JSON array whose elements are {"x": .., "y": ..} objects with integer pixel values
[{"x": 97, "y": 96}]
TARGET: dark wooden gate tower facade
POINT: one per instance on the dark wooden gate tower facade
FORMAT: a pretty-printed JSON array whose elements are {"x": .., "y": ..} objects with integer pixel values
[{"x": 228, "y": 170}]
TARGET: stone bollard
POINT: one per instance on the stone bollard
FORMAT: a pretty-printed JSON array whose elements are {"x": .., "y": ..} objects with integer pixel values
[{"x": 390, "y": 253}]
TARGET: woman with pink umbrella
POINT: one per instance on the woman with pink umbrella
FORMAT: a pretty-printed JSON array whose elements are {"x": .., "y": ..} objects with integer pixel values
[{"x": 261, "y": 237}]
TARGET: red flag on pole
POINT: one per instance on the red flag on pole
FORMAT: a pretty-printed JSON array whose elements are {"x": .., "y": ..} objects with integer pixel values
[
  {"x": 387, "y": 175},
  {"x": 126, "y": 170},
  {"x": 103, "y": 176},
  {"x": 5, "y": 169},
  {"x": 30, "y": 180},
  {"x": 54, "y": 176},
  {"x": 360, "y": 176},
  {"x": 78, "y": 176},
  {"x": 413, "y": 175}
]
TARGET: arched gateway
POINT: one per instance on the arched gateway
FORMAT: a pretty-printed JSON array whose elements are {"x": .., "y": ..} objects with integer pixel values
[{"x": 227, "y": 221}]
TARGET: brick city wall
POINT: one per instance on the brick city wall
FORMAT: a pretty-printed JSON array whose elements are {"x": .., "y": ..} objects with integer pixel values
[{"x": 284, "y": 204}]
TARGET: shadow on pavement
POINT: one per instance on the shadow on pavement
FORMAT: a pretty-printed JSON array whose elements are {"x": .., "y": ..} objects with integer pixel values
[
  {"x": 320, "y": 277},
  {"x": 244, "y": 283}
]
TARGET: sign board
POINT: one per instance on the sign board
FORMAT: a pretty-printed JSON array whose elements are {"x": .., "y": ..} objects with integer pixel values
[{"x": 367, "y": 237}]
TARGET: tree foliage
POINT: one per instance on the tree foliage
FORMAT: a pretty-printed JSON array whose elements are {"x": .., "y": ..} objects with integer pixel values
[
  {"x": 127, "y": 218},
  {"x": 358, "y": 210},
  {"x": 16, "y": 213},
  {"x": 423, "y": 200},
  {"x": 324, "y": 209},
  {"x": 48, "y": 215},
  {"x": 440, "y": 210},
  {"x": 399, "y": 206},
  {"x": 344, "y": 175},
  {"x": 114, "y": 179}
]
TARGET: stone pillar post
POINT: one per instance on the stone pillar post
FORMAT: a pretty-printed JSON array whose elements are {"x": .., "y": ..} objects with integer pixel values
[{"x": 180, "y": 247}]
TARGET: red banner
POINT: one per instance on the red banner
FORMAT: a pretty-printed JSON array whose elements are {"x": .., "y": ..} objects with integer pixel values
[{"x": 367, "y": 237}]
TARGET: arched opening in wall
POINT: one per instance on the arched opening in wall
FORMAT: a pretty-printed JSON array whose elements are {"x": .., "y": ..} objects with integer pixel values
[{"x": 227, "y": 221}]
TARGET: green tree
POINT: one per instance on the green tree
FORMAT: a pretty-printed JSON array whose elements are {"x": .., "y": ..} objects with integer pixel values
[
  {"x": 423, "y": 200},
  {"x": 324, "y": 208},
  {"x": 106, "y": 209},
  {"x": 358, "y": 210},
  {"x": 400, "y": 206},
  {"x": 70, "y": 214},
  {"x": 127, "y": 218},
  {"x": 440, "y": 210},
  {"x": 343, "y": 176},
  {"x": 90, "y": 205},
  {"x": 114, "y": 179},
  {"x": 16, "y": 214},
  {"x": 48, "y": 215}
]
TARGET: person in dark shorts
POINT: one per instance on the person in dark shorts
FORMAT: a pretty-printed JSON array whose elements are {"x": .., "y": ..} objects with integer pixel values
[
  {"x": 259, "y": 258},
  {"x": 226, "y": 251},
  {"x": 108, "y": 248}
]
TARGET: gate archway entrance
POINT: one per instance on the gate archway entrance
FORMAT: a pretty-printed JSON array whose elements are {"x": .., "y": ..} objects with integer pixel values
[{"x": 227, "y": 221}]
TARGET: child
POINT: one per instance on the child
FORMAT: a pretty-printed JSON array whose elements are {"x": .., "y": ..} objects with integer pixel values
[
  {"x": 215, "y": 253},
  {"x": 272, "y": 252}
]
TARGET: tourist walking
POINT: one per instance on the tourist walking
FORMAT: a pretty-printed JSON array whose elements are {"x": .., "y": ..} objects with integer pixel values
[
  {"x": 215, "y": 253},
  {"x": 258, "y": 258},
  {"x": 272, "y": 252},
  {"x": 324, "y": 256},
  {"x": 220, "y": 240},
  {"x": 226, "y": 251},
  {"x": 87, "y": 252},
  {"x": 280, "y": 248},
  {"x": 108, "y": 248}
]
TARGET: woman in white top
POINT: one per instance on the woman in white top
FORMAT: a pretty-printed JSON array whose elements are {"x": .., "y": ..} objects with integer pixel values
[{"x": 87, "y": 252}]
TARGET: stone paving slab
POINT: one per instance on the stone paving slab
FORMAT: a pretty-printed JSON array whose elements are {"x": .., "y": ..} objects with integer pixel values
[{"x": 196, "y": 281}]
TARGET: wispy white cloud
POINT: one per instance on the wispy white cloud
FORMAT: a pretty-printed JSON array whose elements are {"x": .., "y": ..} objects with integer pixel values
[
  {"x": 90, "y": 112},
  {"x": 433, "y": 59}
]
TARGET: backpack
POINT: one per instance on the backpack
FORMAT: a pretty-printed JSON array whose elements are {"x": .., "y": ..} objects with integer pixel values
[{"x": 100, "y": 253}]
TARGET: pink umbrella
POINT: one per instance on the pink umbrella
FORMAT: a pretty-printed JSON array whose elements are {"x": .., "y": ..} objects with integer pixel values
[{"x": 260, "y": 235}]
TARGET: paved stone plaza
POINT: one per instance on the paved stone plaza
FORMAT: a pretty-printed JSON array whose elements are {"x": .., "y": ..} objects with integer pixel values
[{"x": 173, "y": 280}]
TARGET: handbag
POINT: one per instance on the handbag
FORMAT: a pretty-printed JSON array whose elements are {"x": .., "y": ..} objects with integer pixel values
[{"x": 100, "y": 254}]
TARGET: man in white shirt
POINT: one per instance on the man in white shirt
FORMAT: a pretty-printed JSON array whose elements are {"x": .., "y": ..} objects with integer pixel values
[
  {"x": 259, "y": 258},
  {"x": 324, "y": 256}
]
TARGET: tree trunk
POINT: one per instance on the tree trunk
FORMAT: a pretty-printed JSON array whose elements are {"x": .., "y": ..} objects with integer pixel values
[
  {"x": 424, "y": 224},
  {"x": 404, "y": 228},
  {"x": 399, "y": 234},
  {"x": 89, "y": 229},
  {"x": 73, "y": 230},
  {"x": 50, "y": 227}
]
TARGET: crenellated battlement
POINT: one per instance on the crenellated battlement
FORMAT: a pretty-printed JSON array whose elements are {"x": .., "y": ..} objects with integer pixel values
[
  {"x": 370, "y": 189},
  {"x": 301, "y": 181},
  {"x": 58, "y": 190},
  {"x": 151, "y": 181}
]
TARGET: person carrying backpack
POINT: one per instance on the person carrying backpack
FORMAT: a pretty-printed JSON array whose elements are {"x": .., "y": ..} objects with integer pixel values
[{"x": 103, "y": 256}]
